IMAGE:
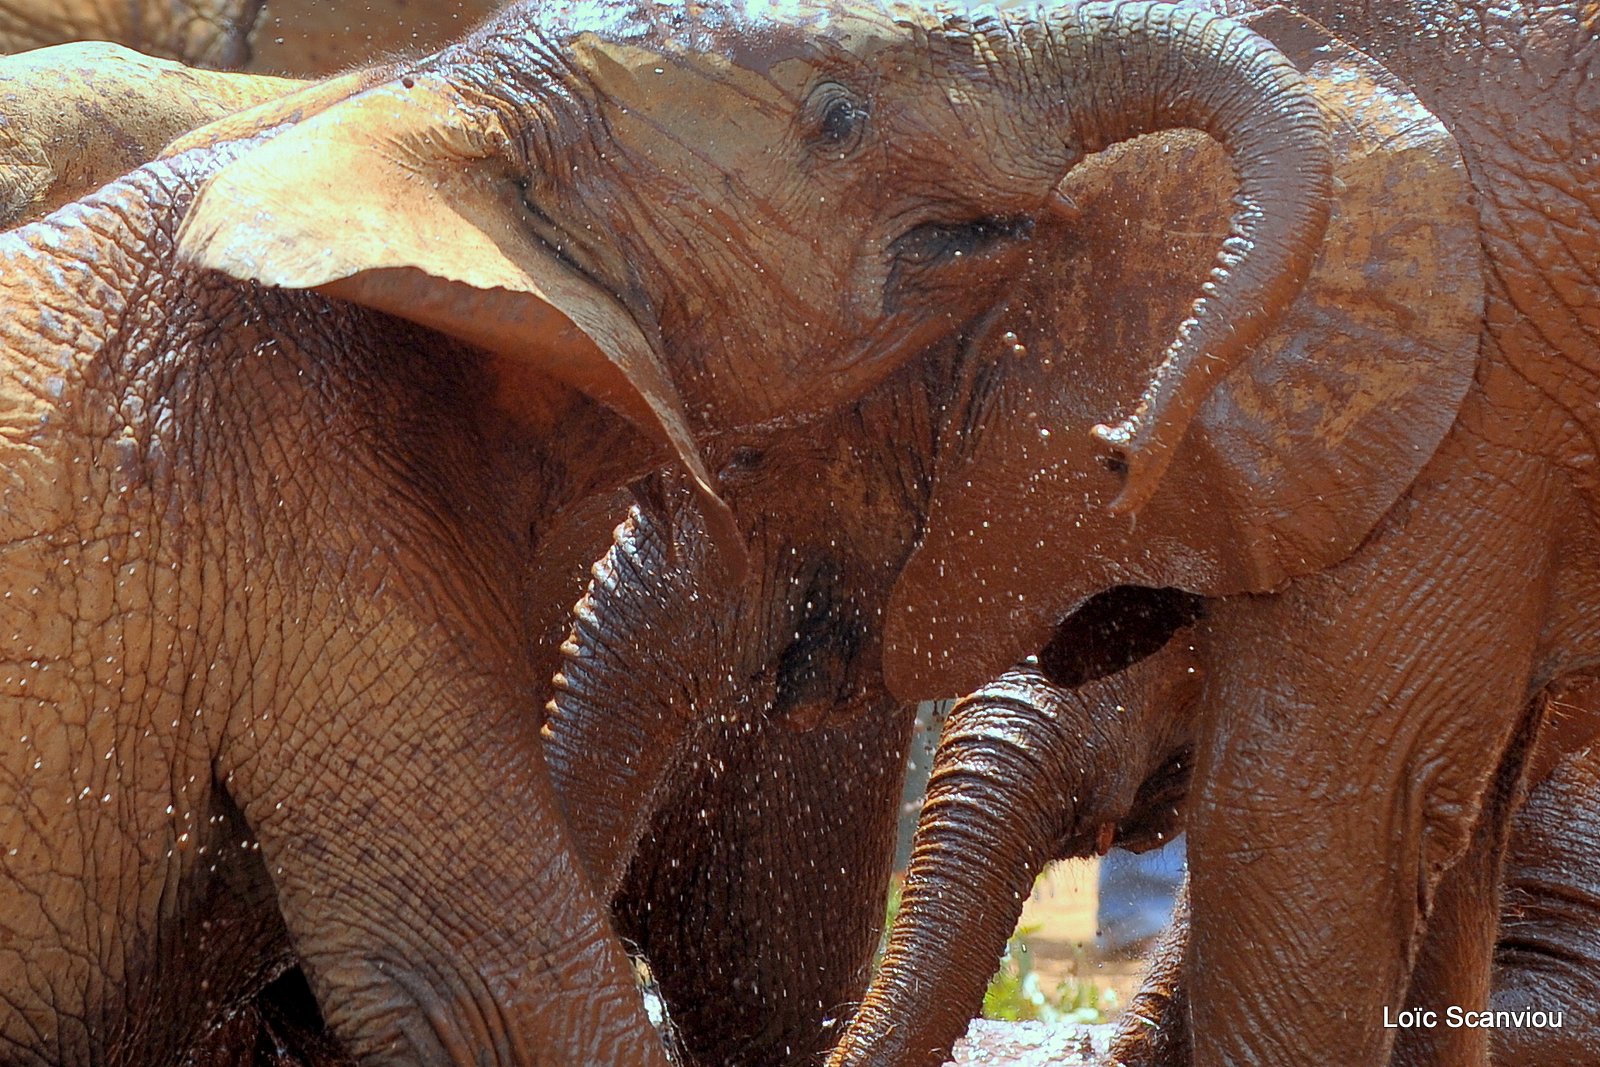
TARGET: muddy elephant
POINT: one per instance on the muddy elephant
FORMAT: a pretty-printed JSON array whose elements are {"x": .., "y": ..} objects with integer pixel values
[
  {"x": 1338, "y": 496},
  {"x": 271, "y": 498},
  {"x": 294, "y": 37},
  {"x": 204, "y": 33},
  {"x": 78, "y": 115},
  {"x": 1390, "y": 584},
  {"x": 1028, "y": 772}
]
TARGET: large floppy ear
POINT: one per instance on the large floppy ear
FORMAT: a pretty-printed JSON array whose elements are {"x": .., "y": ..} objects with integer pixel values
[
  {"x": 403, "y": 198},
  {"x": 1291, "y": 462}
]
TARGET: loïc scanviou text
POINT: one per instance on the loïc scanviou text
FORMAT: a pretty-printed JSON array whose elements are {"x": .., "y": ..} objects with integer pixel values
[{"x": 1457, "y": 1017}]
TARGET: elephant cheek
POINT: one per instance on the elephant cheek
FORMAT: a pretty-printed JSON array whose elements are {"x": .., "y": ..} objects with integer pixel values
[{"x": 969, "y": 606}]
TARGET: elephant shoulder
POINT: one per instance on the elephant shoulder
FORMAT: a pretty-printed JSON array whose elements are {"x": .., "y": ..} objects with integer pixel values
[{"x": 95, "y": 306}]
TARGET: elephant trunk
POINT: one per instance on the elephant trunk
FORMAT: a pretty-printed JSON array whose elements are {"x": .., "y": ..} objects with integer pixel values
[
  {"x": 620, "y": 718},
  {"x": 1003, "y": 788},
  {"x": 1106, "y": 72},
  {"x": 1026, "y": 772}
]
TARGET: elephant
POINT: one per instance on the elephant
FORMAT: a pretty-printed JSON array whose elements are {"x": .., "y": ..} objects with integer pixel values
[
  {"x": 302, "y": 38},
  {"x": 1384, "y": 599},
  {"x": 746, "y": 857},
  {"x": 204, "y": 33},
  {"x": 1028, "y": 772},
  {"x": 271, "y": 497},
  {"x": 79, "y": 115},
  {"x": 1400, "y": 272}
]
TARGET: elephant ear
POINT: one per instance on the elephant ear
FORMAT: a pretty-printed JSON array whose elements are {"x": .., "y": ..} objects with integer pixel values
[
  {"x": 402, "y": 198},
  {"x": 1292, "y": 461}
]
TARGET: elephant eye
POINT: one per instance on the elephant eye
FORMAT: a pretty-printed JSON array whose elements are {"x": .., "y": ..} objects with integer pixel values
[
  {"x": 838, "y": 119},
  {"x": 742, "y": 463}
]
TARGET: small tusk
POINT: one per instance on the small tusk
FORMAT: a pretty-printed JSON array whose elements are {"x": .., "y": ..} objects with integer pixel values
[{"x": 1062, "y": 206}]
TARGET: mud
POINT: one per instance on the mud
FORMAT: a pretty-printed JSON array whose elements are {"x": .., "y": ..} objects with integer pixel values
[{"x": 1000, "y": 1044}]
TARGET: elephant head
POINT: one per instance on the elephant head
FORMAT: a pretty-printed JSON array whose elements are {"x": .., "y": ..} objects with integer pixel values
[
  {"x": 79, "y": 115},
  {"x": 1289, "y": 463},
  {"x": 206, "y": 33},
  {"x": 666, "y": 652},
  {"x": 726, "y": 223},
  {"x": 708, "y": 189}
]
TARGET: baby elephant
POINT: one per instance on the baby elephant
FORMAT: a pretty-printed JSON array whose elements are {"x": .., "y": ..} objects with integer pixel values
[{"x": 1029, "y": 771}]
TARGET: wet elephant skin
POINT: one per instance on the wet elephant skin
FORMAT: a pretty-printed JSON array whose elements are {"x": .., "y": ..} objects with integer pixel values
[
  {"x": 302, "y": 38},
  {"x": 1028, "y": 772},
  {"x": 1380, "y": 622},
  {"x": 178, "y": 405},
  {"x": 79, "y": 115}
]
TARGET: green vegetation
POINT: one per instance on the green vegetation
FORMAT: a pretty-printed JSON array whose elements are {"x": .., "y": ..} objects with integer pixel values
[{"x": 1014, "y": 994}]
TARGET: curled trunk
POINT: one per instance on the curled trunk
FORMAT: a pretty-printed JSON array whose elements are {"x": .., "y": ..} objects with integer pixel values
[
  {"x": 1108, "y": 72},
  {"x": 1026, "y": 772}
]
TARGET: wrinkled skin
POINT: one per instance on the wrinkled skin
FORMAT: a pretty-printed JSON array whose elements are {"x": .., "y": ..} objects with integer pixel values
[
  {"x": 1544, "y": 950},
  {"x": 1324, "y": 459},
  {"x": 310, "y": 37},
  {"x": 1028, "y": 772},
  {"x": 78, "y": 115},
  {"x": 790, "y": 642},
  {"x": 204, "y": 33},
  {"x": 196, "y": 603},
  {"x": 295, "y": 37},
  {"x": 1402, "y": 273},
  {"x": 281, "y": 686},
  {"x": 1395, "y": 569},
  {"x": 757, "y": 888}
]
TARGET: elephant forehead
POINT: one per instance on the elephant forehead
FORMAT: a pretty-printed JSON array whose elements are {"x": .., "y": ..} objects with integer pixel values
[
  {"x": 753, "y": 35},
  {"x": 758, "y": 33}
]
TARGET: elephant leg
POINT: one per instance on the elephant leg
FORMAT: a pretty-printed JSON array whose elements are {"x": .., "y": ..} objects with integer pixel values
[
  {"x": 1462, "y": 928},
  {"x": 1548, "y": 957},
  {"x": 425, "y": 876},
  {"x": 1547, "y": 943},
  {"x": 1353, "y": 725},
  {"x": 758, "y": 893},
  {"x": 1154, "y": 1030}
]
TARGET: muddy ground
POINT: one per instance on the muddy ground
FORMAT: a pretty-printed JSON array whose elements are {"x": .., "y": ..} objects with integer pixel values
[{"x": 997, "y": 1044}]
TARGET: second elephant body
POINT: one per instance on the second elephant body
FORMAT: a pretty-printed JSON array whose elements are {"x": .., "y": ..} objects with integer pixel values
[{"x": 1028, "y": 772}]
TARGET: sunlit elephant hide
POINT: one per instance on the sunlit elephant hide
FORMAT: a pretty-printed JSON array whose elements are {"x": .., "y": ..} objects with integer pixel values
[
  {"x": 271, "y": 497},
  {"x": 1381, "y": 617},
  {"x": 1028, "y": 772},
  {"x": 78, "y": 115},
  {"x": 1364, "y": 484},
  {"x": 285, "y": 37},
  {"x": 204, "y": 33}
]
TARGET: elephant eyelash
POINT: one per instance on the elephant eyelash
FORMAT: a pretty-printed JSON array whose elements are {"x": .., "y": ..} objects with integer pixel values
[
  {"x": 934, "y": 242},
  {"x": 837, "y": 120}
]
